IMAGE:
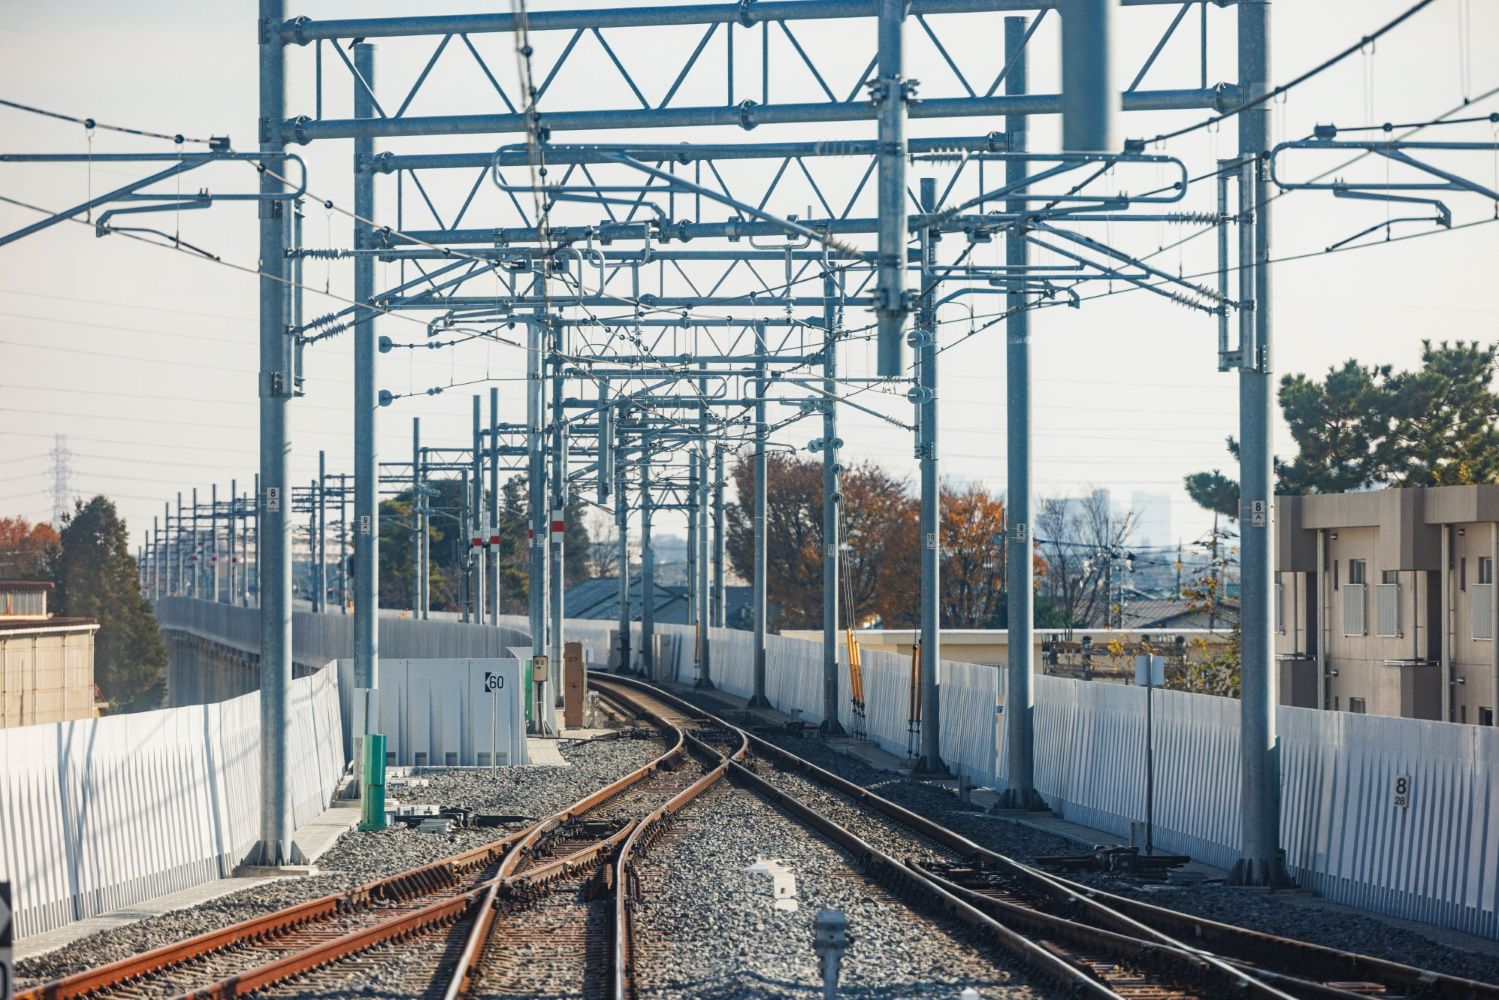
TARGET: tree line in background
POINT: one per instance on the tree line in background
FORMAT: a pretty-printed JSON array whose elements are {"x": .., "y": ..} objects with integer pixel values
[
  {"x": 1370, "y": 427},
  {"x": 449, "y": 548},
  {"x": 96, "y": 577},
  {"x": 881, "y": 544},
  {"x": 1364, "y": 427}
]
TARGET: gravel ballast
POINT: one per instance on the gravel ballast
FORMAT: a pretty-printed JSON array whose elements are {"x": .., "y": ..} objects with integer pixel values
[
  {"x": 706, "y": 927},
  {"x": 360, "y": 857},
  {"x": 1288, "y": 914}
]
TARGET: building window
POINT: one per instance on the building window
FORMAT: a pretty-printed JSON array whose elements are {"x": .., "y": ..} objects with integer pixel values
[
  {"x": 1387, "y": 604},
  {"x": 1356, "y": 706},
  {"x": 1485, "y": 716},
  {"x": 1462, "y": 573},
  {"x": 1280, "y": 607},
  {"x": 1481, "y": 601},
  {"x": 1335, "y": 707},
  {"x": 1462, "y": 713},
  {"x": 1353, "y": 600},
  {"x": 1334, "y": 574}
]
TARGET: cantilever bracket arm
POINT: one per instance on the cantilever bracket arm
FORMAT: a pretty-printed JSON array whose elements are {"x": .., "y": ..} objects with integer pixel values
[
  {"x": 180, "y": 163},
  {"x": 1123, "y": 258},
  {"x": 1390, "y": 149}
]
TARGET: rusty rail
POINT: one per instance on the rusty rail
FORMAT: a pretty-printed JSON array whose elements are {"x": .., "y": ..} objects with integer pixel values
[{"x": 403, "y": 885}]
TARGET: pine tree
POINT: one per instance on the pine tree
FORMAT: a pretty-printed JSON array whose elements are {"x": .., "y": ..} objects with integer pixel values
[
  {"x": 1371, "y": 428},
  {"x": 96, "y": 578}
]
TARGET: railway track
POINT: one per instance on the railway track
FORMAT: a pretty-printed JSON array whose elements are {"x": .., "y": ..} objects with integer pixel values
[
  {"x": 553, "y": 904},
  {"x": 562, "y": 915},
  {"x": 1092, "y": 942},
  {"x": 257, "y": 954}
]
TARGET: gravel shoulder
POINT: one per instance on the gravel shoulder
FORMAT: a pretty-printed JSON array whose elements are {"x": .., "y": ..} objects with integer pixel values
[
  {"x": 750, "y": 949},
  {"x": 358, "y": 857}
]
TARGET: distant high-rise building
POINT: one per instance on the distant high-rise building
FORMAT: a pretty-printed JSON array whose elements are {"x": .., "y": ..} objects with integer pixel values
[{"x": 1152, "y": 512}]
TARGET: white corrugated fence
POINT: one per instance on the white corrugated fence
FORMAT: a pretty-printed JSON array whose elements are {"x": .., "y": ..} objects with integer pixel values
[{"x": 97, "y": 814}]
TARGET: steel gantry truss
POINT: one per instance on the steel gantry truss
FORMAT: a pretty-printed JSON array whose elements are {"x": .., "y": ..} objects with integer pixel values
[
  {"x": 647, "y": 324},
  {"x": 677, "y": 297}
]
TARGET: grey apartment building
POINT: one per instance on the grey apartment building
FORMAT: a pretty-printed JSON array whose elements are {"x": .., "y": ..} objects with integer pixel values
[{"x": 1385, "y": 602}]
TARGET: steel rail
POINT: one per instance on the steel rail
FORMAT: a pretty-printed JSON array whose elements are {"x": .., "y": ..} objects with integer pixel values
[
  {"x": 645, "y": 833},
  {"x": 903, "y": 880},
  {"x": 532, "y": 884},
  {"x": 1287, "y": 960},
  {"x": 400, "y": 886},
  {"x": 1115, "y": 944},
  {"x": 484, "y": 897},
  {"x": 1255, "y": 947}
]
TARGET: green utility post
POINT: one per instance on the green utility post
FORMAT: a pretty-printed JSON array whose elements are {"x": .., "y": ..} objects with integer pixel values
[
  {"x": 526, "y": 672},
  {"x": 372, "y": 784}
]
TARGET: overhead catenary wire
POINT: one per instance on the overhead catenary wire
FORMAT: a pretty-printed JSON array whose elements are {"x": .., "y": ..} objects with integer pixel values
[
  {"x": 1281, "y": 89},
  {"x": 92, "y": 124}
]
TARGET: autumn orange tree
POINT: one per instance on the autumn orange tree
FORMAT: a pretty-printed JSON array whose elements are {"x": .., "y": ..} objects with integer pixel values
[
  {"x": 973, "y": 568},
  {"x": 26, "y": 549},
  {"x": 882, "y": 579},
  {"x": 874, "y": 505}
]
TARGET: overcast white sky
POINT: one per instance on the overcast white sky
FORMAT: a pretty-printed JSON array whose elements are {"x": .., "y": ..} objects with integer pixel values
[{"x": 145, "y": 358}]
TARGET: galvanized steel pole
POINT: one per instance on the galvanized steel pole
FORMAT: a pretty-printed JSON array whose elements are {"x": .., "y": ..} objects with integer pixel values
[
  {"x": 213, "y": 542},
  {"x": 622, "y": 529},
  {"x": 931, "y": 528},
  {"x": 165, "y": 541},
  {"x": 320, "y": 545},
  {"x": 180, "y": 557},
  {"x": 1261, "y": 862},
  {"x": 757, "y": 696},
  {"x": 1020, "y": 595},
  {"x": 832, "y": 500},
  {"x": 720, "y": 594},
  {"x": 700, "y": 503},
  {"x": 273, "y": 529},
  {"x": 891, "y": 92},
  {"x": 235, "y": 553},
  {"x": 252, "y": 537},
  {"x": 536, "y": 494},
  {"x": 343, "y": 544},
  {"x": 647, "y": 567},
  {"x": 1090, "y": 98},
  {"x": 155, "y": 558},
  {"x": 195, "y": 550},
  {"x": 366, "y": 446},
  {"x": 558, "y": 523},
  {"x": 693, "y": 609},
  {"x": 312, "y": 545},
  {"x": 417, "y": 501},
  {"x": 494, "y": 505},
  {"x": 476, "y": 568}
]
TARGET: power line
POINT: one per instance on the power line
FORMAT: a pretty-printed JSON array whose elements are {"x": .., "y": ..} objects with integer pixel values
[
  {"x": 125, "y": 305},
  {"x": 1282, "y": 88},
  {"x": 91, "y": 124}
]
